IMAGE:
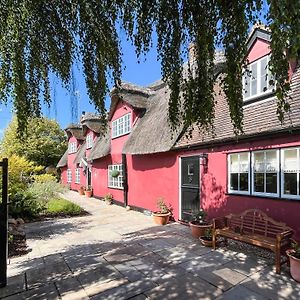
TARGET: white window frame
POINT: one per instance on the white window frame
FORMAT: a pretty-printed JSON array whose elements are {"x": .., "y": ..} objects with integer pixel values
[
  {"x": 72, "y": 147},
  {"x": 289, "y": 196},
  {"x": 69, "y": 175},
  {"x": 89, "y": 141},
  {"x": 77, "y": 175},
  {"x": 123, "y": 122},
  {"x": 270, "y": 88},
  {"x": 228, "y": 174},
  {"x": 115, "y": 182},
  {"x": 264, "y": 194}
]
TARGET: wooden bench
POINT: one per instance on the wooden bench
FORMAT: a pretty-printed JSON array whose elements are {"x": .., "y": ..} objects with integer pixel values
[{"x": 256, "y": 228}]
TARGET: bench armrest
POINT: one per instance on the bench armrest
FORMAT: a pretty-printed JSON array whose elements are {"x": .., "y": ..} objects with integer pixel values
[
  {"x": 285, "y": 235},
  {"x": 220, "y": 222}
]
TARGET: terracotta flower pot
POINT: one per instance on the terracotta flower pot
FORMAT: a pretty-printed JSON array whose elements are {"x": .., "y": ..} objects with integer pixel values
[
  {"x": 198, "y": 229},
  {"x": 81, "y": 192},
  {"x": 88, "y": 193},
  {"x": 161, "y": 218},
  {"x": 294, "y": 265},
  {"x": 205, "y": 242}
]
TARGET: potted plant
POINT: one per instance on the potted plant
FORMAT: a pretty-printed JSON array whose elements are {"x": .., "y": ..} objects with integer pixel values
[
  {"x": 162, "y": 216},
  {"x": 115, "y": 173},
  {"x": 199, "y": 223},
  {"x": 108, "y": 198},
  {"x": 88, "y": 191},
  {"x": 81, "y": 190},
  {"x": 294, "y": 256},
  {"x": 206, "y": 239}
]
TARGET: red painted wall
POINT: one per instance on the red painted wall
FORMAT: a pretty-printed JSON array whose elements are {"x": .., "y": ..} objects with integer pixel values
[
  {"x": 216, "y": 201},
  {"x": 259, "y": 49},
  {"x": 153, "y": 176},
  {"x": 63, "y": 175}
]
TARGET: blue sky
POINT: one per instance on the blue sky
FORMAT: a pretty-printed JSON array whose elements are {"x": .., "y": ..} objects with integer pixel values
[{"x": 142, "y": 73}]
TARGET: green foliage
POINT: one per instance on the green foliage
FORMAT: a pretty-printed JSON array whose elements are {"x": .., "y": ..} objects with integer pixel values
[
  {"x": 61, "y": 206},
  {"x": 199, "y": 216},
  {"x": 108, "y": 198},
  {"x": 115, "y": 173},
  {"x": 44, "y": 178},
  {"x": 162, "y": 206},
  {"x": 25, "y": 205},
  {"x": 296, "y": 249},
  {"x": 45, "y": 190},
  {"x": 20, "y": 172},
  {"x": 43, "y": 143},
  {"x": 38, "y": 37}
]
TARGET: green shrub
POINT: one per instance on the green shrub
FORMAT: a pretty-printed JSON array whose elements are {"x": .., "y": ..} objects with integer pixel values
[
  {"x": 25, "y": 205},
  {"x": 46, "y": 190},
  {"x": 44, "y": 178},
  {"x": 62, "y": 206}
]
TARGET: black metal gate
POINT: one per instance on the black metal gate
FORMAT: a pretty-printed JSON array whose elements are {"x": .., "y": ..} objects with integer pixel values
[
  {"x": 190, "y": 199},
  {"x": 3, "y": 223}
]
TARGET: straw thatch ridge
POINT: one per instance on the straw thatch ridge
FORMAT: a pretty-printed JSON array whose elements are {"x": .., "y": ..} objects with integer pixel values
[
  {"x": 75, "y": 130},
  {"x": 80, "y": 153},
  {"x": 152, "y": 133},
  {"x": 134, "y": 95},
  {"x": 101, "y": 147},
  {"x": 63, "y": 160}
]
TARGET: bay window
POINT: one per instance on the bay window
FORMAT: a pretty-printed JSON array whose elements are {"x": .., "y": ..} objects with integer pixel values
[
  {"x": 257, "y": 79},
  {"x": 115, "y": 181},
  {"x": 121, "y": 126},
  {"x": 265, "y": 172},
  {"x": 89, "y": 141},
  {"x": 290, "y": 172},
  {"x": 69, "y": 175},
  {"x": 77, "y": 175},
  {"x": 239, "y": 170}
]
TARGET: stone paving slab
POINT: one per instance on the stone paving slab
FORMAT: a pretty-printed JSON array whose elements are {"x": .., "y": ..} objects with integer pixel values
[{"x": 117, "y": 254}]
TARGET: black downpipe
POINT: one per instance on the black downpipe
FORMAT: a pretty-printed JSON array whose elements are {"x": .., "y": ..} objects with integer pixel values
[
  {"x": 125, "y": 179},
  {"x": 4, "y": 224}
]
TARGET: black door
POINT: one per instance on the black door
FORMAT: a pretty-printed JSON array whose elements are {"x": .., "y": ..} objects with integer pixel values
[
  {"x": 89, "y": 176},
  {"x": 190, "y": 200}
]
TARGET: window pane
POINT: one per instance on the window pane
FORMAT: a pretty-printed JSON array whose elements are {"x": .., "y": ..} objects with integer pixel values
[
  {"x": 234, "y": 181},
  {"x": 244, "y": 162},
  {"x": 234, "y": 163},
  {"x": 264, "y": 74},
  {"x": 259, "y": 182},
  {"x": 259, "y": 165},
  {"x": 244, "y": 182},
  {"x": 254, "y": 79},
  {"x": 290, "y": 161},
  {"x": 271, "y": 183},
  {"x": 271, "y": 161},
  {"x": 290, "y": 183}
]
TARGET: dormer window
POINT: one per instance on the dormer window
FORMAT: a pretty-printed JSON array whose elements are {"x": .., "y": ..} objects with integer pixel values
[
  {"x": 72, "y": 147},
  {"x": 258, "y": 80},
  {"x": 89, "y": 141},
  {"x": 121, "y": 126}
]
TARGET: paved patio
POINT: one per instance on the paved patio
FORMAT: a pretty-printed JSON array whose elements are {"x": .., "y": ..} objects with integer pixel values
[{"x": 119, "y": 254}]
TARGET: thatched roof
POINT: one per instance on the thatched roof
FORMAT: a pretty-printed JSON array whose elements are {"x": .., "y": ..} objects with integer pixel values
[
  {"x": 75, "y": 130},
  {"x": 101, "y": 147},
  {"x": 93, "y": 122},
  {"x": 152, "y": 132},
  {"x": 63, "y": 160},
  {"x": 80, "y": 153},
  {"x": 134, "y": 95}
]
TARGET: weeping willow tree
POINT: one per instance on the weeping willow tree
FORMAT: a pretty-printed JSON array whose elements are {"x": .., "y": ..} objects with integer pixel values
[{"x": 38, "y": 38}]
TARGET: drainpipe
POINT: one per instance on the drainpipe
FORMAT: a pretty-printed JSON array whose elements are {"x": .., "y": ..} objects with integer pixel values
[{"x": 125, "y": 179}]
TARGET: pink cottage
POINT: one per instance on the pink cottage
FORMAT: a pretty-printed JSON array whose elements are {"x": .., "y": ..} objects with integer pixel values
[{"x": 221, "y": 173}]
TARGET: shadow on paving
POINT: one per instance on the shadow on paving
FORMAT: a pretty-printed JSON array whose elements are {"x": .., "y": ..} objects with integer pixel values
[{"x": 156, "y": 263}]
